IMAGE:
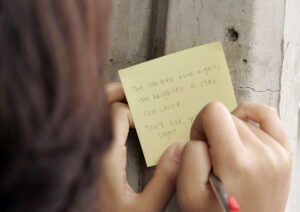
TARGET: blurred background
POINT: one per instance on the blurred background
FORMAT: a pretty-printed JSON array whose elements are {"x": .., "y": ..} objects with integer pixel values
[{"x": 261, "y": 39}]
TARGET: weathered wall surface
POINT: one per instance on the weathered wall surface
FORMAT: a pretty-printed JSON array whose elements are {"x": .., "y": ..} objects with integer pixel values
[
  {"x": 262, "y": 48},
  {"x": 252, "y": 46},
  {"x": 130, "y": 33},
  {"x": 290, "y": 93}
]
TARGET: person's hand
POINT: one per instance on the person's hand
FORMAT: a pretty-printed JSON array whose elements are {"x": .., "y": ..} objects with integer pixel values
[
  {"x": 115, "y": 193},
  {"x": 253, "y": 162}
]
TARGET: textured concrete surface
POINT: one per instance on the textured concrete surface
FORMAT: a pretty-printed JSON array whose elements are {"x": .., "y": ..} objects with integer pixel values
[
  {"x": 290, "y": 93},
  {"x": 252, "y": 46},
  {"x": 130, "y": 34},
  {"x": 262, "y": 46}
]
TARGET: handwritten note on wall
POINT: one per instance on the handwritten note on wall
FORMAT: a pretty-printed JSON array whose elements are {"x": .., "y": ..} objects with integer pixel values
[{"x": 166, "y": 94}]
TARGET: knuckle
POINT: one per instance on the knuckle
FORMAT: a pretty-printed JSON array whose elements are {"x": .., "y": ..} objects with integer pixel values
[
  {"x": 238, "y": 165},
  {"x": 211, "y": 108},
  {"x": 272, "y": 111},
  {"x": 243, "y": 104},
  {"x": 286, "y": 161},
  {"x": 282, "y": 134},
  {"x": 275, "y": 163},
  {"x": 189, "y": 146},
  {"x": 274, "y": 166}
]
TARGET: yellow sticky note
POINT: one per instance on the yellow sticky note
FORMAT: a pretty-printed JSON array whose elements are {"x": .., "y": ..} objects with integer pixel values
[{"x": 166, "y": 94}]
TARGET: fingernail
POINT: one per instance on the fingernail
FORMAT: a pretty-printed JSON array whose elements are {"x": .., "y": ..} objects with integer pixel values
[{"x": 178, "y": 151}]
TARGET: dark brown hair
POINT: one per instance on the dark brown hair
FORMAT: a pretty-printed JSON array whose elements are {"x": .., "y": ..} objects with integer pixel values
[{"x": 54, "y": 121}]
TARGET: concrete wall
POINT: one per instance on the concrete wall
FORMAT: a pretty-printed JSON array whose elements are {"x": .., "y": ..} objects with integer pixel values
[
  {"x": 290, "y": 93},
  {"x": 261, "y": 42}
]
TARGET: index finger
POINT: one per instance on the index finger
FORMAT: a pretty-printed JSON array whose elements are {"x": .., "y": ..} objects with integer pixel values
[{"x": 215, "y": 125}]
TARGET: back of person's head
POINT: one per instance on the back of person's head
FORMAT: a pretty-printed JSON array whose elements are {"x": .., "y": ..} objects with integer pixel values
[{"x": 54, "y": 121}]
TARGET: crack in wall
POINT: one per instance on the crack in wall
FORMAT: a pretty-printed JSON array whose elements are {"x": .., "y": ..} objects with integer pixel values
[{"x": 257, "y": 91}]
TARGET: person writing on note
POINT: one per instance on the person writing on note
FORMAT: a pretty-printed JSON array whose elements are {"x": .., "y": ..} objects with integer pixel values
[
  {"x": 63, "y": 131},
  {"x": 254, "y": 163}
]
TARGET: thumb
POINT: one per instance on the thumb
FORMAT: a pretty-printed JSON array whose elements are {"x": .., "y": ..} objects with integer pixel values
[
  {"x": 193, "y": 191},
  {"x": 160, "y": 188}
]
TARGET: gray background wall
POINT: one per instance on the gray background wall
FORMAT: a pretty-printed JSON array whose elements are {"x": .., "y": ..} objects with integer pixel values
[{"x": 261, "y": 39}]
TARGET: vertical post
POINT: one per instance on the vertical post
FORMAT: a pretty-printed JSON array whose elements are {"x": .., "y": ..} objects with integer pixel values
[{"x": 157, "y": 25}]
